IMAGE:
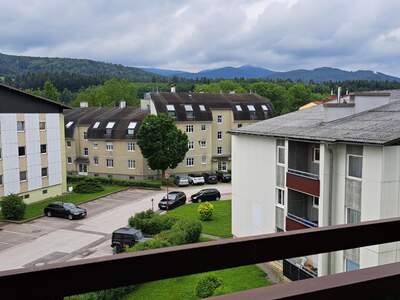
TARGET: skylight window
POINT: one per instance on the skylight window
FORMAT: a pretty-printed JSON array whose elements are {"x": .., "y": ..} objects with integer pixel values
[
  {"x": 132, "y": 125},
  {"x": 238, "y": 108},
  {"x": 110, "y": 125},
  {"x": 69, "y": 124},
  {"x": 264, "y": 107},
  {"x": 96, "y": 125},
  {"x": 202, "y": 107},
  {"x": 188, "y": 108},
  {"x": 170, "y": 107},
  {"x": 251, "y": 107}
]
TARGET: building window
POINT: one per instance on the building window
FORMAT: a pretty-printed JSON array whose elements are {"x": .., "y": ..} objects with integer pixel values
[
  {"x": 352, "y": 216},
  {"x": 96, "y": 125},
  {"x": 44, "y": 172},
  {"x": 1, "y": 154},
  {"x": 316, "y": 154},
  {"x": 239, "y": 125},
  {"x": 109, "y": 146},
  {"x": 86, "y": 151},
  {"x": 44, "y": 192},
  {"x": 171, "y": 111},
  {"x": 219, "y": 135},
  {"x": 351, "y": 265},
  {"x": 96, "y": 161},
  {"x": 43, "y": 148},
  {"x": 280, "y": 197},
  {"x": 203, "y": 127},
  {"x": 85, "y": 135},
  {"x": 204, "y": 159},
  {"x": 131, "y": 177},
  {"x": 189, "y": 112},
  {"x": 191, "y": 145},
  {"x": 238, "y": 107},
  {"x": 22, "y": 176},
  {"x": 281, "y": 155},
  {"x": 219, "y": 150},
  {"x": 131, "y": 128},
  {"x": 219, "y": 119},
  {"x": 109, "y": 127},
  {"x": 202, "y": 107},
  {"x": 315, "y": 202},
  {"x": 26, "y": 196},
  {"x": 109, "y": 163},
  {"x": 20, "y": 126},
  {"x": 203, "y": 144},
  {"x": 69, "y": 160},
  {"x": 42, "y": 125},
  {"x": 189, "y": 128},
  {"x": 354, "y": 166},
  {"x": 95, "y": 146},
  {"x": 222, "y": 166},
  {"x": 131, "y": 164},
  {"x": 69, "y": 124},
  {"x": 190, "y": 162},
  {"x": 21, "y": 151},
  {"x": 68, "y": 144},
  {"x": 131, "y": 146}
]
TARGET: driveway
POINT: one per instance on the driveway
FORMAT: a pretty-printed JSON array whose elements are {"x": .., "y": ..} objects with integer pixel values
[{"x": 46, "y": 240}]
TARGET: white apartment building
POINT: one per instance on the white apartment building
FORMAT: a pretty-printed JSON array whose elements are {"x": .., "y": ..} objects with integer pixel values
[
  {"x": 32, "y": 157},
  {"x": 335, "y": 163}
]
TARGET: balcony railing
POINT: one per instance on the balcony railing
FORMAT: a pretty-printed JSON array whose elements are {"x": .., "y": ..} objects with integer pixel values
[
  {"x": 302, "y": 221},
  {"x": 303, "y": 174},
  {"x": 57, "y": 280}
]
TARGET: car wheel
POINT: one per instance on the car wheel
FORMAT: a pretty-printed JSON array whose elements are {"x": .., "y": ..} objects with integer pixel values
[
  {"x": 70, "y": 217},
  {"x": 218, "y": 197},
  {"x": 48, "y": 214}
]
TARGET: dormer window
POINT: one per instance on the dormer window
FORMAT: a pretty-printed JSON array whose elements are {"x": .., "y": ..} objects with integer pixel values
[
  {"x": 189, "y": 112},
  {"x": 265, "y": 110},
  {"x": 202, "y": 108},
  {"x": 238, "y": 107},
  {"x": 109, "y": 127},
  {"x": 131, "y": 128},
  {"x": 69, "y": 124},
  {"x": 96, "y": 125},
  {"x": 252, "y": 111},
  {"x": 171, "y": 111}
]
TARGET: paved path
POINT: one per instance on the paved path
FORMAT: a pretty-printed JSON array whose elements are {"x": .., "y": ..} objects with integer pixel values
[{"x": 48, "y": 240}]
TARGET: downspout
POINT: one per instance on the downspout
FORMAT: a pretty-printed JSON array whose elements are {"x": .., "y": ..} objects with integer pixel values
[{"x": 330, "y": 204}]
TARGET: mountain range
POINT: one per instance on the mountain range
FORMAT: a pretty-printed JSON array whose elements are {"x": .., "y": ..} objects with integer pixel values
[
  {"x": 13, "y": 65},
  {"x": 317, "y": 75}
]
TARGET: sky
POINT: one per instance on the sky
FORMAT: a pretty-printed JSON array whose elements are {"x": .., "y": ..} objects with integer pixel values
[{"x": 201, "y": 34}]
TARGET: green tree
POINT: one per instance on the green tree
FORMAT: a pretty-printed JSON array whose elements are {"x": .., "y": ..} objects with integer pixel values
[
  {"x": 50, "y": 91},
  {"x": 162, "y": 143}
]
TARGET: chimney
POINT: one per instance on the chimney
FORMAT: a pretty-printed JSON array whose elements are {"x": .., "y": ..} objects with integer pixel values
[
  {"x": 122, "y": 104},
  {"x": 173, "y": 89},
  {"x": 84, "y": 104},
  {"x": 339, "y": 90}
]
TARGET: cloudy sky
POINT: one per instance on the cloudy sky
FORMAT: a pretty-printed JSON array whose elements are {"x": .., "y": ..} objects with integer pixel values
[{"x": 198, "y": 34}]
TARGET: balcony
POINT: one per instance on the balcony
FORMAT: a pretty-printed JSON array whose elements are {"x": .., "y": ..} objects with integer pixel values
[
  {"x": 302, "y": 211},
  {"x": 375, "y": 282},
  {"x": 300, "y": 268}
]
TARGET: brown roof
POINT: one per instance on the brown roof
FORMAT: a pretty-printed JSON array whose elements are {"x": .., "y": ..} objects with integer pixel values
[{"x": 212, "y": 101}]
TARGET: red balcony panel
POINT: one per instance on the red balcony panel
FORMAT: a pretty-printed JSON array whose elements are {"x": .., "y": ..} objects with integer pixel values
[
  {"x": 302, "y": 184},
  {"x": 294, "y": 225}
]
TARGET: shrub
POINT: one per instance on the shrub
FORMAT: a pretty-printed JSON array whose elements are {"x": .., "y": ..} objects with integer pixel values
[
  {"x": 150, "y": 244},
  {"x": 110, "y": 294},
  {"x": 150, "y": 223},
  {"x": 205, "y": 211},
  {"x": 88, "y": 186},
  {"x": 207, "y": 285},
  {"x": 13, "y": 207},
  {"x": 120, "y": 182},
  {"x": 137, "y": 220},
  {"x": 182, "y": 232}
]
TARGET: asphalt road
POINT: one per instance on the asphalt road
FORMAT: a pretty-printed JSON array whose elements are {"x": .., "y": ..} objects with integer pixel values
[{"x": 48, "y": 240}]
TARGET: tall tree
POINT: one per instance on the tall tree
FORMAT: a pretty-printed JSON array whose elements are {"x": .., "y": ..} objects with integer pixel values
[
  {"x": 50, "y": 91},
  {"x": 162, "y": 143}
]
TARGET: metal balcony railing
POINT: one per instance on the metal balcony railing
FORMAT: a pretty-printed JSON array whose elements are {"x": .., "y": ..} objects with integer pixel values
[
  {"x": 61, "y": 279},
  {"x": 303, "y": 174},
  {"x": 301, "y": 220}
]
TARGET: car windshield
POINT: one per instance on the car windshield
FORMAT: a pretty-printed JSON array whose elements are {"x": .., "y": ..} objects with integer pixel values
[
  {"x": 69, "y": 206},
  {"x": 170, "y": 196}
]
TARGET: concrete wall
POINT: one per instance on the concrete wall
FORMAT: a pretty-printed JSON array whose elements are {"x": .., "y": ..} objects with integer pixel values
[{"x": 253, "y": 185}]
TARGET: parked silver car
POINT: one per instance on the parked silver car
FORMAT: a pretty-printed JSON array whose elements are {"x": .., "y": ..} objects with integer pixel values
[{"x": 181, "y": 180}]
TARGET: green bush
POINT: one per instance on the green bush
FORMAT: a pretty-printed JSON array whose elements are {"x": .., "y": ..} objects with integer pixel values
[
  {"x": 191, "y": 228},
  {"x": 88, "y": 186},
  {"x": 13, "y": 207},
  {"x": 150, "y": 223},
  {"x": 120, "y": 182},
  {"x": 207, "y": 285},
  {"x": 110, "y": 294},
  {"x": 150, "y": 244},
  {"x": 205, "y": 211}
]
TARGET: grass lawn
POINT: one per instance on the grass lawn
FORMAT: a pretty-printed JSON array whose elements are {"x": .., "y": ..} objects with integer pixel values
[
  {"x": 234, "y": 280},
  {"x": 36, "y": 209},
  {"x": 220, "y": 225}
]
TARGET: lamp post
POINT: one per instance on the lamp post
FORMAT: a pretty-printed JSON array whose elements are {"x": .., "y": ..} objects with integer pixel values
[
  {"x": 152, "y": 204},
  {"x": 167, "y": 175}
]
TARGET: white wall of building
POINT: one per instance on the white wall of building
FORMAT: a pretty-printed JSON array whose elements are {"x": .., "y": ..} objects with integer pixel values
[
  {"x": 253, "y": 185},
  {"x": 54, "y": 149},
  {"x": 33, "y": 156}
]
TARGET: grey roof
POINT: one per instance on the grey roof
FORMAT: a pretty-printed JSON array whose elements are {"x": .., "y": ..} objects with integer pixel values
[{"x": 380, "y": 125}]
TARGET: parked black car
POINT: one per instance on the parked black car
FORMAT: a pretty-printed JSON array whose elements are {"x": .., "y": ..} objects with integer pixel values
[
  {"x": 206, "y": 195},
  {"x": 210, "y": 178},
  {"x": 175, "y": 199},
  {"x": 64, "y": 210},
  {"x": 125, "y": 237},
  {"x": 224, "y": 176}
]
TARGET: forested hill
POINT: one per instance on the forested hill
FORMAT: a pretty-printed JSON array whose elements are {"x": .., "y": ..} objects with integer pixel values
[{"x": 12, "y": 66}]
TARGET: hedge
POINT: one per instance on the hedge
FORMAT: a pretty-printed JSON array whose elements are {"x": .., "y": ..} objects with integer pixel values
[
  {"x": 12, "y": 207},
  {"x": 120, "y": 182},
  {"x": 150, "y": 223}
]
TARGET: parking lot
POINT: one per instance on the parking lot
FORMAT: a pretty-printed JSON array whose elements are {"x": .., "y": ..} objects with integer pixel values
[{"x": 46, "y": 240}]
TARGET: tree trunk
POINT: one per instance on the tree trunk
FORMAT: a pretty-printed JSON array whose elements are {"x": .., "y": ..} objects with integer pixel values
[{"x": 163, "y": 175}]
